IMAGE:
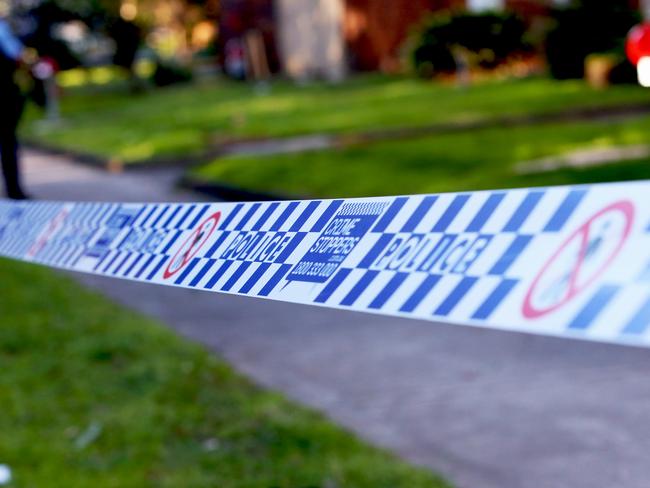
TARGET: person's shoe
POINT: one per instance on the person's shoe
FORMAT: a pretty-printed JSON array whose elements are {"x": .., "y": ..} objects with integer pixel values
[{"x": 19, "y": 195}]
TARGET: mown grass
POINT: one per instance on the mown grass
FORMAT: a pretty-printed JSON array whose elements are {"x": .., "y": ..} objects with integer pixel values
[
  {"x": 453, "y": 162},
  {"x": 95, "y": 395},
  {"x": 110, "y": 122}
]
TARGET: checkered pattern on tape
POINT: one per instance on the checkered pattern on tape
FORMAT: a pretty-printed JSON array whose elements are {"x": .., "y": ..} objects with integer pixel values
[
  {"x": 80, "y": 225},
  {"x": 509, "y": 215},
  {"x": 224, "y": 264},
  {"x": 137, "y": 241},
  {"x": 615, "y": 302},
  {"x": 21, "y": 223},
  {"x": 135, "y": 237}
]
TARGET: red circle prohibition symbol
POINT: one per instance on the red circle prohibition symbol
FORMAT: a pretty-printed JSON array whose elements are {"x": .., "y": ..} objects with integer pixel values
[
  {"x": 626, "y": 209},
  {"x": 194, "y": 242}
]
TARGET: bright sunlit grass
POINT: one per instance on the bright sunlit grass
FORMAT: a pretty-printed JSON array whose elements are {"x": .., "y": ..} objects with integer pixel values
[
  {"x": 453, "y": 162},
  {"x": 113, "y": 123}
]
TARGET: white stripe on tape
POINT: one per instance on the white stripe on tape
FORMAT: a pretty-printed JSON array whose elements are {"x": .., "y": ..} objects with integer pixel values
[{"x": 567, "y": 261}]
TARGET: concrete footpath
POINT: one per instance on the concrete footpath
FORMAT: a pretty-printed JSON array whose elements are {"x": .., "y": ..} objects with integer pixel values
[{"x": 486, "y": 409}]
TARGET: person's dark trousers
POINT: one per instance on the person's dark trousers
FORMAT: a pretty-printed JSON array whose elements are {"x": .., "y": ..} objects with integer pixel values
[
  {"x": 9, "y": 144},
  {"x": 9, "y": 153}
]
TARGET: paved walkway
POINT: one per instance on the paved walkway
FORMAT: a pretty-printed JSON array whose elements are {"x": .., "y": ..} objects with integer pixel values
[{"x": 487, "y": 409}]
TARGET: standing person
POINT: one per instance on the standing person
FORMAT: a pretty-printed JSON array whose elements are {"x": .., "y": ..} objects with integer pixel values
[{"x": 11, "y": 101}]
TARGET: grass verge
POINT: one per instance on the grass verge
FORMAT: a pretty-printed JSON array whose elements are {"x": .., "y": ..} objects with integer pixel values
[
  {"x": 94, "y": 395},
  {"x": 454, "y": 162},
  {"x": 110, "y": 122}
]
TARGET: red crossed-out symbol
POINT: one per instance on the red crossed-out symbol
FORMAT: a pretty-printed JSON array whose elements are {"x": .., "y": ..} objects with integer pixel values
[
  {"x": 194, "y": 242},
  {"x": 52, "y": 228},
  {"x": 580, "y": 260}
]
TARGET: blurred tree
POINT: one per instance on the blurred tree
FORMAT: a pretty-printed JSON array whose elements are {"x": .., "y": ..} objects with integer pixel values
[
  {"x": 463, "y": 40},
  {"x": 585, "y": 27},
  {"x": 175, "y": 28}
]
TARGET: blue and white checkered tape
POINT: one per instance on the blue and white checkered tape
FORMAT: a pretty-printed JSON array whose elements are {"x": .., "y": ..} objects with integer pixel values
[{"x": 566, "y": 261}]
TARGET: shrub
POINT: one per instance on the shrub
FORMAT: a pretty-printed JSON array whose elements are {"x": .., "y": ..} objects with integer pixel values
[
  {"x": 168, "y": 73},
  {"x": 488, "y": 39},
  {"x": 587, "y": 27}
]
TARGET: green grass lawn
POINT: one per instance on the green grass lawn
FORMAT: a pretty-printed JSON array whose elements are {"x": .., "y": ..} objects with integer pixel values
[
  {"x": 454, "y": 162},
  {"x": 110, "y": 122},
  {"x": 94, "y": 395}
]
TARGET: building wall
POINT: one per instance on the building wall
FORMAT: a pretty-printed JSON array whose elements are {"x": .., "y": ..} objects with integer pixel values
[
  {"x": 310, "y": 38},
  {"x": 322, "y": 38},
  {"x": 376, "y": 29}
]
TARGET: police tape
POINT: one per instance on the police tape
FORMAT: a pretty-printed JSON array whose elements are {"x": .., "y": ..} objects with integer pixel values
[{"x": 564, "y": 261}]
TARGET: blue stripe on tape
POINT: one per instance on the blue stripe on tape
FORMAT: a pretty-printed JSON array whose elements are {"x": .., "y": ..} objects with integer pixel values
[
  {"x": 241, "y": 269},
  {"x": 640, "y": 321},
  {"x": 119, "y": 244},
  {"x": 593, "y": 307},
  {"x": 247, "y": 216},
  {"x": 359, "y": 288},
  {"x": 389, "y": 214},
  {"x": 293, "y": 244},
  {"x": 270, "y": 285},
  {"x": 420, "y": 292},
  {"x": 158, "y": 266},
  {"x": 326, "y": 216},
  {"x": 187, "y": 270},
  {"x": 105, "y": 255},
  {"x": 284, "y": 216},
  {"x": 515, "y": 249},
  {"x": 455, "y": 296},
  {"x": 171, "y": 217},
  {"x": 376, "y": 250},
  {"x": 644, "y": 276},
  {"x": 172, "y": 241},
  {"x": 110, "y": 263},
  {"x": 144, "y": 266},
  {"x": 122, "y": 263},
  {"x": 230, "y": 216},
  {"x": 218, "y": 275},
  {"x": 160, "y": 215},
  {"x": 222, "y": 237},
  {"x": 197, "y": 218},
  {"x": 185, "y": 216},
  {"x": 265, "y": 216},
  {"x": 133, "y": 265},
  {"x": 524, "y": 209},
  {"x": 306, "y": 213},
  {"x": 450, "y": 214},
  {"x": 494, "y": 299},
  {"x": 139, "y": 213},
  {"x": 255, "y": 277},
  {"x": 204, "y": 270},
  {"x": 417, "y": 215},
  {"x": 485, "y": 212},
  {"x": 388, "y": 290},
  {"x": 565, "y": 210},
  {"x": 333, "y": 285}
]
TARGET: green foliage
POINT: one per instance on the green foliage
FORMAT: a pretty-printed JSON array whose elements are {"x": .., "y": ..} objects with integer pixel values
[
  {"x": 88, "y": 9},
  {"x": 586, "y": 27},
  {"x": 489, "y": 38},
  {"x": 93, "y": 395}
]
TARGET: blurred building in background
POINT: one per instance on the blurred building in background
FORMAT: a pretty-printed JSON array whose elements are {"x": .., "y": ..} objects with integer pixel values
[
  {"x": 320, "y": 39},
  {"x": 327, "y": 38}
]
